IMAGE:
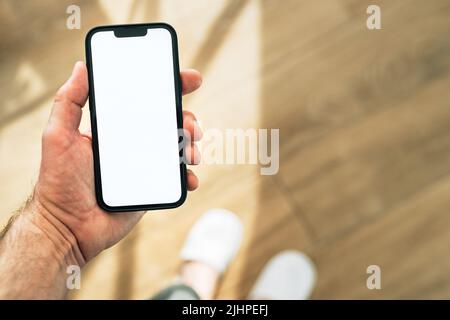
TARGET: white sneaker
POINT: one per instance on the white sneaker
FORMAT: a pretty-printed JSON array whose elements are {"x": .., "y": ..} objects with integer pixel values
[
  {"x": 214, "y": 239},
  {"x": 289, "y": 275}
]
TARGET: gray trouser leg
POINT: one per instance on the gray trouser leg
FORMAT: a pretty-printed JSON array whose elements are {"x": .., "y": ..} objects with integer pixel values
[{"x": 177, "y": 292}]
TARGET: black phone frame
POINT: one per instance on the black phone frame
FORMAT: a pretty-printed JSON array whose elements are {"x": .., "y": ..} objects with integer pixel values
[{"x": 125, "y": 30}]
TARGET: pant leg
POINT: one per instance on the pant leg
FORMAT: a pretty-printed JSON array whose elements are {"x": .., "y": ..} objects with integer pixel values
[{"x": 177, "y": 292}]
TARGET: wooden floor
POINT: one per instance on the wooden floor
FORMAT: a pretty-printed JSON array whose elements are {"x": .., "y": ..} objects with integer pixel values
[{"x": 364, "y": 119}]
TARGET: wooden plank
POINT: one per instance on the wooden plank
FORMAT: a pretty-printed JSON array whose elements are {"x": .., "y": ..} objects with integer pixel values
[
  {"x": 339, "y": 76},
  {"x": 338, "y": 71},
  {"x": 410, "y": 243},
  {"x": 363, "y": 170}
]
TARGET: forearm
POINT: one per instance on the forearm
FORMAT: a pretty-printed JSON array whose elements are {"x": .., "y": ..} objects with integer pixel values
[{"x": 35, "y": 252}]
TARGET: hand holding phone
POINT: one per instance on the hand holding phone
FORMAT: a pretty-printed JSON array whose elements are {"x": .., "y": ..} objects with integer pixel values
[{"x": 65, "y": 192}]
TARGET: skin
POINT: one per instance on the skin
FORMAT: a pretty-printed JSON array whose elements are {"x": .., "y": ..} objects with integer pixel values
[{"x": 61, "y": 224}]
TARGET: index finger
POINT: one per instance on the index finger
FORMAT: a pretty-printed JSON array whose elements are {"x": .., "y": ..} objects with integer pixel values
[{"x": 191, "y": 80}]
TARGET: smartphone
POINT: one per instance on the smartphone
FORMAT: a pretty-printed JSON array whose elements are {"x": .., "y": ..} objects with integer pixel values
[{"x": 136, "y": 117}]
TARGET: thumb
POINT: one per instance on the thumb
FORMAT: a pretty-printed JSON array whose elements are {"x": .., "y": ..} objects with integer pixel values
[{"x": 70, "y": 98}]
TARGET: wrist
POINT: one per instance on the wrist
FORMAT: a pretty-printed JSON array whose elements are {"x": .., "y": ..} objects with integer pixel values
[
  {"x": 35, "y": 252},
  {"x": 61, "y": 242}
]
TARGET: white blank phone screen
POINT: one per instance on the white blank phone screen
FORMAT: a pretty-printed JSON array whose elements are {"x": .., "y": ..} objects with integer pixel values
[{"x": 136, "y": 118}]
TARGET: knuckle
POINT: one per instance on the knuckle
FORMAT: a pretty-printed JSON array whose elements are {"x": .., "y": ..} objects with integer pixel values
[{"x": 54, "y": 137}]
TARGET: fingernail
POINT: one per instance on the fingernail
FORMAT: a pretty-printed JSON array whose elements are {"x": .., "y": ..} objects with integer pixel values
[
  {"x": 199, "y": 81},
  {"x": 198, "y": 132},
  {"x": 75, "y": 66}
]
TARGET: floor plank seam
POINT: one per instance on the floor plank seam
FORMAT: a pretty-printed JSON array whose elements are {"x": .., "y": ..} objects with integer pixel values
[
  {"x": 346, "y": 232},
  {"x": 296, "y": 210}
]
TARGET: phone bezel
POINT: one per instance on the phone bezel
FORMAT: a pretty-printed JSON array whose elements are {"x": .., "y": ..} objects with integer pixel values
[{"x": 179, "y": 113}]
